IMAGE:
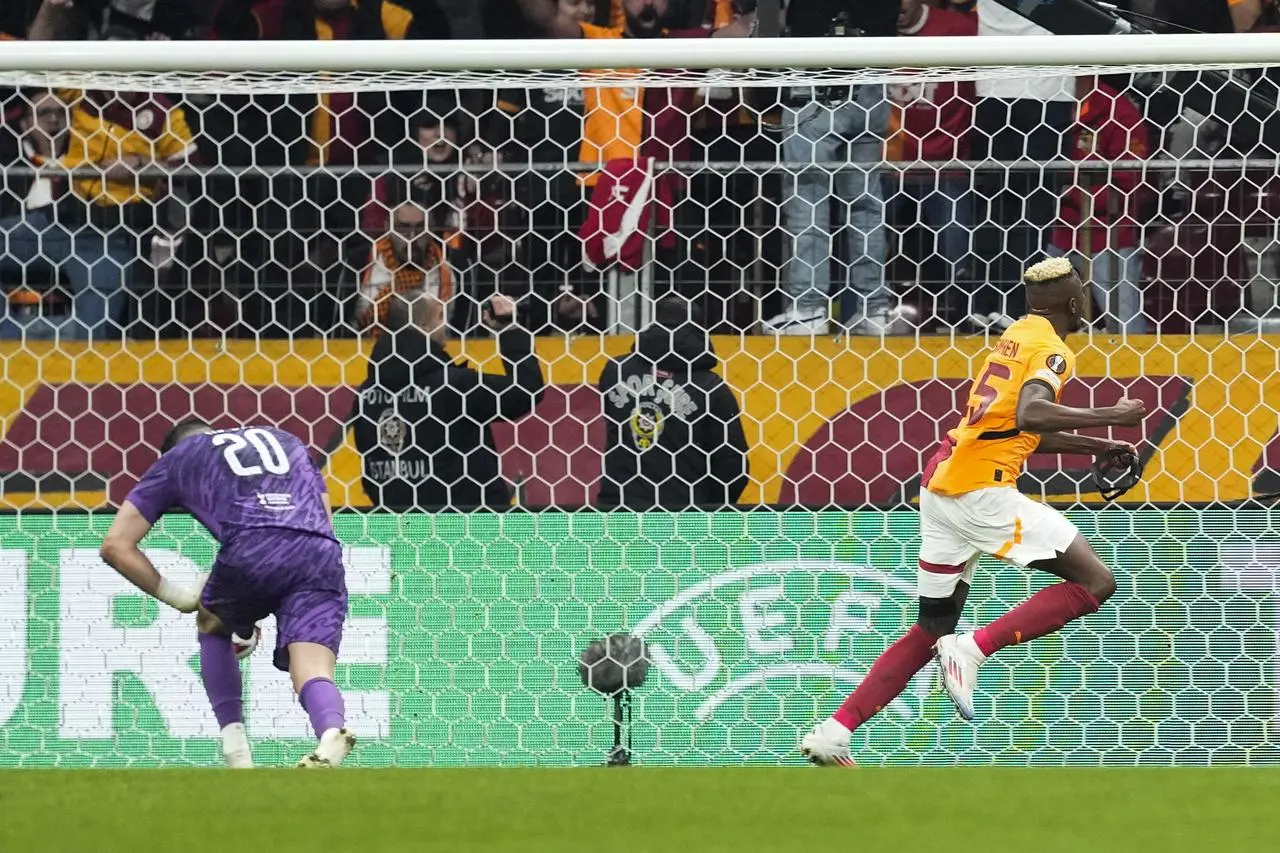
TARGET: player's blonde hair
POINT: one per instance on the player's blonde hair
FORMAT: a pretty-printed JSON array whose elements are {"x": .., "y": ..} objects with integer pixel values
[{"x": 1050, "y": 269}]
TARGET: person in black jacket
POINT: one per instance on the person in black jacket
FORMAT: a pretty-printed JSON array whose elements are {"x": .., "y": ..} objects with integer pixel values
[
  {"x": 673, "y": 429},
  {"x": 423, "y": 423}
]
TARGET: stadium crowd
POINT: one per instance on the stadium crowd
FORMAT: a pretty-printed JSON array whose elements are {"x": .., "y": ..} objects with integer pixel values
[{"x": 302, "y": 212}]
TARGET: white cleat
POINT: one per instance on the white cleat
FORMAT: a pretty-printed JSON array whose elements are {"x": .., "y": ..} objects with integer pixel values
[
  {"x": 827, "y": 745},
  {"x": 804, "y": 321},
  {"x": 958, "y": 660},
  {"x": 899, "y": 320},
  {"x": 334, "y": 747},
  {"x": 235, "y": 747}
]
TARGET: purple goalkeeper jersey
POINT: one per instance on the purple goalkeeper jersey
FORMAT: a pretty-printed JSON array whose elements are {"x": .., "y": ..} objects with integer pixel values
[{"x": 238, "y": 480}]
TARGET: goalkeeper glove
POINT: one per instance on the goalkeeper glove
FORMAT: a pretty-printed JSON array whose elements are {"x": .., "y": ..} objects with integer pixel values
[{"x": 184, "y": 599}]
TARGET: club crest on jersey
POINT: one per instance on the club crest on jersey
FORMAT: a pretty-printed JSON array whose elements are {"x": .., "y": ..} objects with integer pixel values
[
  {"x": 1057, "y": 363},
  {"x": 391, "y": 431},
  {"x": 646, "y": 424}
]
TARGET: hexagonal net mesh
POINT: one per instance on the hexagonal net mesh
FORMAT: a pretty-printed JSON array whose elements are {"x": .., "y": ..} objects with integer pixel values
[{"x": 747, "y": 308}]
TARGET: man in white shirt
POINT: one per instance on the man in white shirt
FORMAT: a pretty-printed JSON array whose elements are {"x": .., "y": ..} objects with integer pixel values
[{"x": 1017, "y": 119}]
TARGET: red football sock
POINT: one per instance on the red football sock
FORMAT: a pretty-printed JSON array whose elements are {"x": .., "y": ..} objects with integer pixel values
[
  {"x": 1043, "y": 613},
  {"x": 888, "y": 677}
]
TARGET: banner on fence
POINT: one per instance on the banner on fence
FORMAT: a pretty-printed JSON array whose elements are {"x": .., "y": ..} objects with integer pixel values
[{"x": 828, "y": 423}]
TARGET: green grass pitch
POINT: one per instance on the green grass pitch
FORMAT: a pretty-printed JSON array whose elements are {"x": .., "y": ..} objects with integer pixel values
[{"x": 642, "y": 810}]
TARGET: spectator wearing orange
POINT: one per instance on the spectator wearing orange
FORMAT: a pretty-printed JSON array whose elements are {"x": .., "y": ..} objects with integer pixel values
[
  {"x": 934, "y": 119},
  {"x": 1099, "y": 219},
  {"x": 408, "y": 261},
  {"x": 631, "y": 122},
  {"x": 333, "y": 128}
]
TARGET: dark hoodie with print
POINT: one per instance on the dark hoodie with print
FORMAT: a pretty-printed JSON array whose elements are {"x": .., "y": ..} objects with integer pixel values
[
  {"x": 424, "y": 424},
  {"x": 673, "y": 428}
]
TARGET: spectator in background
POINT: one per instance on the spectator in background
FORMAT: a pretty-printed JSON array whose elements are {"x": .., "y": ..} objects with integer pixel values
[
  {"x": 339, "y": 130},
  {"x": 1100, "y": 219},
  {"x": 822, "y": 126},
  {"x": 469, "y": 211},
  {"x": 673, "y": 428},
  {"x": 489, "y": 229},
  {"x": 732, "y": 209},
  {"x": 95, "y": 242},
  {"x": 1216, "y": 16},
  {"x": 503, "y": 19},
  {"x": 439, "y": 142},
  {"x": 43, "y": 138},
  {"x": 145, "y": 19},
  {"x": 336, "y": 129},
  {"x": 1024, "y": 121},
  {"x": 40, "y": 232},
  {"x": 630, "y": 124},
  {"x": 1246, "y": 15},
  {"x": 615, "y": 117},
  {"x": 546, "y": 131},
  {"x": 423, "y": 424},
  {"x": 159, "y": 19},
  {"x": 935, "y": 122},
  {"x": 409, "y": 259}
]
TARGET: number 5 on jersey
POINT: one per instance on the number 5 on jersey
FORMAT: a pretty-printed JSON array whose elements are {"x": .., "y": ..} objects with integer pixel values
[{"x": 984, "y": 394}]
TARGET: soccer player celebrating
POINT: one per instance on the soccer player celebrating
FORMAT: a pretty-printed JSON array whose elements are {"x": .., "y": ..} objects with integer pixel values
[
  {"x": 261, "y": 497},
  {"x": 970, "y": 506}
]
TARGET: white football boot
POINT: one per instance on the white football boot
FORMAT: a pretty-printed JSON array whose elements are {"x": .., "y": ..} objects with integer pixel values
[
  {"x": 235, "y": 747},
  {"x": 827, "y": 745},
  {"x": 799, "y": 321},
  {"x": 958, "y": 661},
  {"x": 334, "y": 747}
]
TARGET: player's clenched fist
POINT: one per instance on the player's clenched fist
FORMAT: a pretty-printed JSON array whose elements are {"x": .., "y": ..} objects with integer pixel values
[
  {"x": 1129, "y": 412},
  {"x": 1119, "y": 448}
]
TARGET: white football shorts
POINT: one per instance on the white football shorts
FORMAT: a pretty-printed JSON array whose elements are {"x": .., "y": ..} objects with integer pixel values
[{"x": 1000, "y": 521}]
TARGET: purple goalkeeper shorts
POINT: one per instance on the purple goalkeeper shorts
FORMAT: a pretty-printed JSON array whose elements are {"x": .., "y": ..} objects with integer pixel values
[{"x": 297, "y": 576}]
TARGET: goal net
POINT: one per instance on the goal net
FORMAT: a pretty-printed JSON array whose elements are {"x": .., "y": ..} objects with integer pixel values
[{"x": 230, "y": 231}]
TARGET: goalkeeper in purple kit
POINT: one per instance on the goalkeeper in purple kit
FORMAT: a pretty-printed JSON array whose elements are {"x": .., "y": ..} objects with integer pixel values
[{"x": 261, "y": 497}]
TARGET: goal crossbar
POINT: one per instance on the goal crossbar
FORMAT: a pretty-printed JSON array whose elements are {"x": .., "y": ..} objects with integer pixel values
[{"x": 550, "y": 55}]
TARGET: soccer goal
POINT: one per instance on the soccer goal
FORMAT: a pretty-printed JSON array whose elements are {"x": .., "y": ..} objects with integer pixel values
[{"x": 218, "y": 229}]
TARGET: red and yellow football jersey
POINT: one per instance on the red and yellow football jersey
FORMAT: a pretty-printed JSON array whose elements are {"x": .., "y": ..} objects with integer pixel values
[{"x": 987, "y": 449}]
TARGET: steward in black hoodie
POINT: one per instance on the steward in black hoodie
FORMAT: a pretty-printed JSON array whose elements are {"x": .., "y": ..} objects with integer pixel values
[
  {"x": 673, "y": 429},
  {"x": 423, "y": 424}
]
